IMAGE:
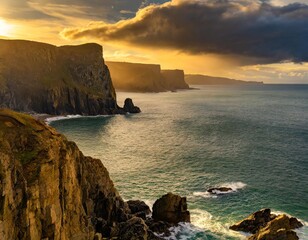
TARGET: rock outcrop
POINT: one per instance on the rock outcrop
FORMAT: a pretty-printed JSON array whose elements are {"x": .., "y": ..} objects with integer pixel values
[
  {"x": 42, "y": 78},
  {"x": 266, "y": 226},
  {"x": 130, "y": 107},
  {"x": 171, "y": 208},
  {"x": 137, "y": 77},
  {"x": 174, "y": 79},
  {"x": 219, "y": 190}
]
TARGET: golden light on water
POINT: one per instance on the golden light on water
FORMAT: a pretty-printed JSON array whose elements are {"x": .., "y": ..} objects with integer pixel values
[{"x": 5, "y": 28}]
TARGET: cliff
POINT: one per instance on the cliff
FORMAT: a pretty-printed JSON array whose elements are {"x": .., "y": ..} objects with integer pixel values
[
  {"x": 55, "y": 80},
  {"x": 137, "y": 77},
  {"x": 197, "y": 79},
  {"x": 174, "y": 79},
  {"x": 50, "y": 190}
]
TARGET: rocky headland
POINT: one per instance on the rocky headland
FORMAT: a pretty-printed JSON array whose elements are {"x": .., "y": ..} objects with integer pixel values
[
  {"x": 137, "y": 77},
  {"x": 50, "y": 190},
  {"x": 42, "y": 78}
]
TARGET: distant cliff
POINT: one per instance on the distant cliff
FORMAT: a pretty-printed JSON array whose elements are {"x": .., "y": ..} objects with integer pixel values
[
  {"x": 137, "y": 77},
  {"x": 197, "y": 79},
  {"x": 174, "y": 79},
  {"x": 55, "y": 80}
]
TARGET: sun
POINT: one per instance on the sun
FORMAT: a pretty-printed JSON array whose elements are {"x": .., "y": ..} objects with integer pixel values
[{"x": 5, "y": 28}]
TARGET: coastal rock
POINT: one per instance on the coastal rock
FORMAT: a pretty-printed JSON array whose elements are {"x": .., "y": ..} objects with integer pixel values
[
  {"x": 219, "y": 190},
  {"x": 171, "y": 208},
  {"x": 42, "y": 78},
  {"x": 254, "y": 222},
  {"x": 130, "y": 107},
  {"x": 134, "y": 229},
  {"x": 160, "y": 227},
  {"x": 139, "y": 208},
  {"x": 266, "y": 226},
  {"x": 278, "y": 228}
]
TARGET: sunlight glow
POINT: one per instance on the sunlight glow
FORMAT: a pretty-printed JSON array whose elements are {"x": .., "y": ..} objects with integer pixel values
[{"x": 5, "y": 28}]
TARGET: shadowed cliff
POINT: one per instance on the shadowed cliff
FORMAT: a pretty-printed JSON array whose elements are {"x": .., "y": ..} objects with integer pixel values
[
  {"x": 137, "y": 77},
  {"x": 197, "y": 79},
  {"x": 55, "y": 80}
]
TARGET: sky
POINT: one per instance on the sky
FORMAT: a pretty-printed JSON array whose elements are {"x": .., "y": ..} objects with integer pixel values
[{"x": 256, "y": 40}]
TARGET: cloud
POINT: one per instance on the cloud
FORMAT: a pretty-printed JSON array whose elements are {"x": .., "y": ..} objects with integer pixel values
[{"x": 245, "y": 28}]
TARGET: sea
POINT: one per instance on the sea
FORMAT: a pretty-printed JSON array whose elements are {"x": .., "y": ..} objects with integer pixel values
[{"x": 251, "y": 138}]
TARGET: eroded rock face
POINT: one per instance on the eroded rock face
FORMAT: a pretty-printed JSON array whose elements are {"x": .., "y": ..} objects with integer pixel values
[
  {"x": 55, "y": 80},
  {"x": 49, "y": 189},
  {"x": 174, "y": 79},
  {"x": 171, "y": 208},
  {"x": 266, "y": 226}
]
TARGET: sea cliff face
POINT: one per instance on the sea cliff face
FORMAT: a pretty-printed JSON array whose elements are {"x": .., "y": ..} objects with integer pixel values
[
  {"x": 137, "y": 77},
  {"x": 174, "y": 79},
  {"x": 48, "y": 188},
  {"x": 55, "y": 80}
]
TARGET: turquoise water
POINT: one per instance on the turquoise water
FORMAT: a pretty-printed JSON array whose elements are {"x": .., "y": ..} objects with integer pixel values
[{"x": 251, "y": 138}]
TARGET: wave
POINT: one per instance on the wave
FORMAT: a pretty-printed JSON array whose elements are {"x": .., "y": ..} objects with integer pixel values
[
  {"x": 202, "y": 226},
  {"x": 235, "y": 186},
  {"x": 59, "y": 118}
]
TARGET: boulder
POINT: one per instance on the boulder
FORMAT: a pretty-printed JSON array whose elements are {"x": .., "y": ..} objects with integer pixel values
[
  {"x": 139, "y": 208},
  {"x": 253, "y": 222},
  {"x": 171, "y": 208},
  {"x": 130, "y": 107},
  {"x": 219, "y": 190}
]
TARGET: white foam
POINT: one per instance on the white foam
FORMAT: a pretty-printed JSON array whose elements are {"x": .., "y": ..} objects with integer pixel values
[
  {"x": 202, "y": 222},
  {"x": 52, "y": 119},
  {"x": 58, "y": 118},
  {"x": 235, "y": 186}
]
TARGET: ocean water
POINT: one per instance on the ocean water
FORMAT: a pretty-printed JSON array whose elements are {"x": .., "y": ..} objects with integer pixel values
[{"x": 253, "y": 139}]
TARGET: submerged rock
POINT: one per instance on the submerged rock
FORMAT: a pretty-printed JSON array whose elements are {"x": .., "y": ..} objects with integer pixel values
[
  {"x": 130, "y": 107},
  {"x": 266, "y": 226},
  {"x": 171, "y": 208},
  {"x": 219, "y": 190}
]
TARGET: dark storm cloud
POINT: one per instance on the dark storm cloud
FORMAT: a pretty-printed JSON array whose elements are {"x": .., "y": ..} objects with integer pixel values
[{"x": 253, "y": 29}]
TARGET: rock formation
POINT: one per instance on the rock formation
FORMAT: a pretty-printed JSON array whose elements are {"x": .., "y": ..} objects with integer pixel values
[
  {"x": 174, "y": 79},
  {"x": 55, "y": 80},
  {"x": 266, "y": 226},
  {"x": 130, "y": 107},
  {"x": 50, "y": 190},
  {"x": 136, "y": 77},
  {"x": 171, "y": 208},
  {"x": 198, "y": 79},
  {"x": 219, "y": 190}
]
